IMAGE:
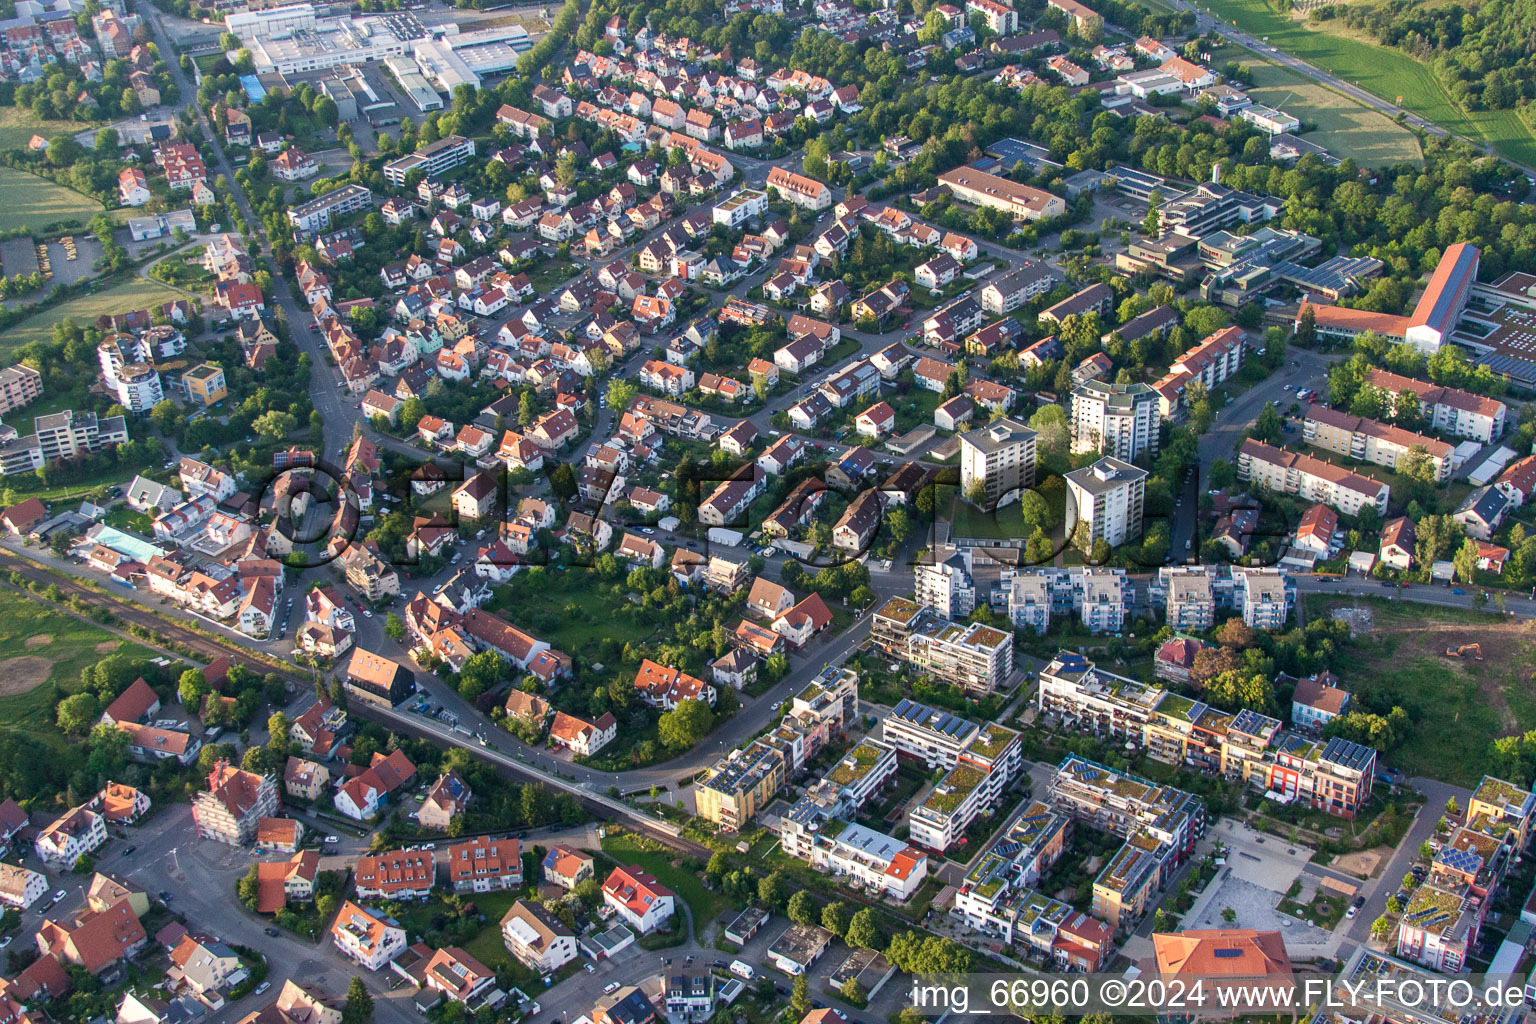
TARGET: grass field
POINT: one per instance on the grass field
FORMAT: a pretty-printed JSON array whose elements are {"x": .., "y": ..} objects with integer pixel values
[
  {"x": 705, "y": 905},
  {"x": 1344, "y": 127},
  {"x": 1458, "y": 707},
  {"x": 123, "y": 297},
  {"x": 1390, "y": 74},
  {"x": 33, "y": 202},
  {"x": 45, "y": 648},
  {"x": 19, "y": 124}
]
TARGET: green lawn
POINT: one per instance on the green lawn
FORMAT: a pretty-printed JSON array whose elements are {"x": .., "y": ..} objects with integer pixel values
[
  {"x": 1388, "y": 73},
  {"x": 706, "y": 906},
  {"x": 1457, "y": 707},
  {"x": 19, "y": 124},
  {"x": 570, "y": 611},
  {"x": 125, "y": 518},
  {"x": 60, "y": 647},
  {"x": 122, "y": 297},
  {"x": 33, "y": 202},
  {"x": 1345, "y": 128}
]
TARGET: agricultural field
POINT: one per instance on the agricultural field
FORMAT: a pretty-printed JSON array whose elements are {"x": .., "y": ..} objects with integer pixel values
[
  {"x": 33, "y": 202},
  {"x": 1390, "y": 74},
  {"x": 123, "y": 297},
  {"x": 1345, "y": 128},
  {"x": 45, "y": 649},
  {"x": 1459, "y": 706}
]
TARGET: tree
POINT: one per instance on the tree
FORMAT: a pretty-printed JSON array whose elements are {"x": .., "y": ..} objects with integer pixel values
[
  {"x": 1223, "y": 475},
  {"x": 358, "y": 1008},
  {"x": 1228, "y": 915},
  {"x": 834, "y": 918},
  {"x": 799, "y": 999},
  {"x": 394, "y": 627},
  {"x": 620, "y": 393},
  {"x": 275, "y": 423},
  {"x": 1267, "y": 427},
  {"x": 78, "y": 713},
  {"x": 1381, "y": 928},
  {"x": 802, "y": 908},
  {"x": 853, "y": 992},
  {"x": 278, "y": 726},
  {"x": 247, "y": 889},
  {"x": 863, "y": 932},
  {"x": 773, "y": 890},
  {"x": 480, "y": 673},
  {"x": 684, "y": 726},
  {"x": 192, "y": 687},
  {"x": 1466, "y": 560}
]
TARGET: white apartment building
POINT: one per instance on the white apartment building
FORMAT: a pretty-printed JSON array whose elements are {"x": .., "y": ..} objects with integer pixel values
[
  {"x": 999, "y": 457},
  {"x": 1101, "y": 599},
  {"x": 973, "y": 656},
  {"x": 1105, "y": 502},
  {"x": 1029, "y": 603},
  {"x": 943, "y": 582},
  {"x": 871, "y": 860},
  {"x": 72, "y": 836},
  {"x": 1114, "y": 419},
  {"x": 815, "y": 829},
  {"x": 1310, "y": 478},
  {"x": 21, "y": 887},
  {"x": 740, "y": 207},
  {"x": 368, "y": 937},
  {"x": 1370, "y": 440},
  {"x": 536, "y": 937},
  {"x": 1450, "y": 411},
  {"x": 972, "y": 788},
  {"x": 138, "y": 388},
  {"x": 1264, "y": 596},
  {"x": 1191, "y": 603}
]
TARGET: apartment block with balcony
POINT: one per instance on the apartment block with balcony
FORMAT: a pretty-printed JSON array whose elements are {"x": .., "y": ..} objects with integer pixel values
[
  {"x": 1191, "y": 604},
  {"x": 1333, "y": 775},
  {"x": 943, "y": 582},
  {"x": 745, "y": 781},
  {"x": 1367, "y": 440},
  {"x": 1106, "y": 501},
  {"x": 1114, "y": 419},
  {"x": 997, "y": 460},
  {"x": 1310, "y": 478},
  {"x": 982, "y": 762},
  {"x": 1264, "y": 596},
  {"x": 1160, "y": 824},
  {"x": 973, "y": 656}
]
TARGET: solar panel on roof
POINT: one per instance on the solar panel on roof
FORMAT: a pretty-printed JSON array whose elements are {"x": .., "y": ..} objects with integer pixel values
[{"x": 1228, "y": 954}]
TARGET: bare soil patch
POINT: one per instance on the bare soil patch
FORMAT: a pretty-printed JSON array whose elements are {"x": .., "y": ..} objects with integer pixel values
[
  {"x": 32, "y": 643},
  {"x": 1505, "y": 645},
  {"x": 108, "y": 646},
  {"x": 1363, "y": 863},
  {"x": 23, "y": 674}
]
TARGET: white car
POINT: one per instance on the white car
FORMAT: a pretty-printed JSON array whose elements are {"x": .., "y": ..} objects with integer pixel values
[
  {"x": 58, "y": 895},
  {"x": 262, "y": 987},
  {"x": 610, "y": 988},
  {"x": 331, "y": 840}
]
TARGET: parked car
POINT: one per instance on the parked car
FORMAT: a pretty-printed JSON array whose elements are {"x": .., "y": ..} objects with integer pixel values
[
  {"x": 262, "y": 987},
  {"x": 270, "y": 932},
  {"x": 589, "y": 968},
  {"x": 331, "y": 840},
  {"x": 610, "y": 988}
]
